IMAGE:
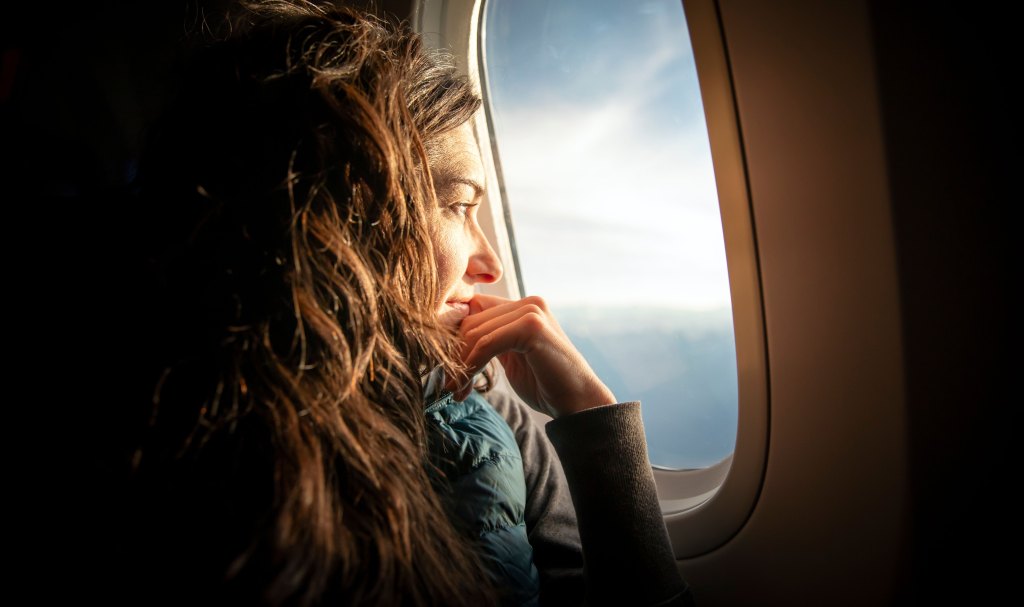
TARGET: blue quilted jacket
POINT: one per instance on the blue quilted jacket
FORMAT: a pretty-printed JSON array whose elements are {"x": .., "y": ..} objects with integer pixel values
[{"x": 477, "y": 453}]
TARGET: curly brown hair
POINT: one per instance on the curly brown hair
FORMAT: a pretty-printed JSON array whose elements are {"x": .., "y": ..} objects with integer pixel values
[{"x": 287, "y": 206}]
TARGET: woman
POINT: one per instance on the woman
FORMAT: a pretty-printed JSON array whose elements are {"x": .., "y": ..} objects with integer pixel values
[{"x": 312, "y": 243}]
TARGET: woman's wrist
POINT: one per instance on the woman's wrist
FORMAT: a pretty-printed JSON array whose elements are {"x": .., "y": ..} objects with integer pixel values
[{"x": 600, "y": 396}]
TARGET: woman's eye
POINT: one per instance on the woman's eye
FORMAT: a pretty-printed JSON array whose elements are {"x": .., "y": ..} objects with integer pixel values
[{"x": 461, "y": 209}]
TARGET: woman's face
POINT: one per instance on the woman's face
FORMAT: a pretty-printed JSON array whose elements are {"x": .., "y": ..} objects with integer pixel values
[{"x": 463, "y": 256}]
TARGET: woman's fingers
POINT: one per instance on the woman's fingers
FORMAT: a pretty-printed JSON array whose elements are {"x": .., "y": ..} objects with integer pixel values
[
  {"x": 485, "y": 307},
  {"x": 483, "y": 302},
  {"x": 540, "y": 361},
  {"x": 472, "y": 332},
  {"x": 512, "y": 336},
  {"x": 503, "y": 333},
  {"x": 513, "y": 332}
]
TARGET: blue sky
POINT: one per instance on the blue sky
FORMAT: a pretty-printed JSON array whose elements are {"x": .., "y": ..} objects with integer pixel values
[{"x": 605, "y": 154}]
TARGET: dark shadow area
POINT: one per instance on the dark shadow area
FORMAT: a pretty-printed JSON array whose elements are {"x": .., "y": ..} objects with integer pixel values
[
  {"x": 951, "y": 129},
  {"x": 81, "y": 86},
  {"x": 81, "y": 82}
]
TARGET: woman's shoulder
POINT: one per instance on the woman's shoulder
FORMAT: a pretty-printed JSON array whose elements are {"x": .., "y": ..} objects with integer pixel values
[{"x": 471, "y": 432}]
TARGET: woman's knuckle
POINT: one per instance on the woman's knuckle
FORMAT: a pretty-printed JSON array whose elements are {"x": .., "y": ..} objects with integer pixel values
[
  {"x": 534, "y": 321},
  {"x": 538, "y": 302}
]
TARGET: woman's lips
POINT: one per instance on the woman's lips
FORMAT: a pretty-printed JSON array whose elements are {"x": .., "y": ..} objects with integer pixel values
[
  {"x": 453, "y": 312},
  {"x": 461, "y": 306}
]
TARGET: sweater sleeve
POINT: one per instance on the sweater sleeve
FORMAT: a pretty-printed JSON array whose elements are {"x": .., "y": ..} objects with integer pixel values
[
  {"x": 550, "y": 517},
  {"x": 627, "y": 552}
]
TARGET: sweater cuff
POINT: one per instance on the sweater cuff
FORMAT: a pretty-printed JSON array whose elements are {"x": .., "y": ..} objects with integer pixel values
[
  {"x": 627, "y": 553},
  {"x": 602, "y": 419}
]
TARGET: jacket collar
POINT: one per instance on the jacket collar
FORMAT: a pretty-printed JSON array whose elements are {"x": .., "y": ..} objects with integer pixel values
[{"x": 433, "y": 388}]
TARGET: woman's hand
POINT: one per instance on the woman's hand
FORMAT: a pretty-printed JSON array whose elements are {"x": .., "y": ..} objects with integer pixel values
[{"x": 542, "y": 365}]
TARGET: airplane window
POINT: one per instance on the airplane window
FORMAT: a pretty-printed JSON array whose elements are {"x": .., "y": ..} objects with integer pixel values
[{"x": 606, "y": 167}]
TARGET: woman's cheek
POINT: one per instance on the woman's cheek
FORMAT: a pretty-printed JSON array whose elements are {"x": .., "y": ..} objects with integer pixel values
[{"x": 446, "y": 260}]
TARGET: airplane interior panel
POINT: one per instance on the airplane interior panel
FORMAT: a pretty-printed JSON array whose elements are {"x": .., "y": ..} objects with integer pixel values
[{"x": 864, "y": 155}]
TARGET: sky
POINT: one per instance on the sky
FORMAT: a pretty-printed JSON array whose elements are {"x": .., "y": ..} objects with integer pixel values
[
  {"x": 604, "y": 151},
  {"x": 607, "y": 170}
]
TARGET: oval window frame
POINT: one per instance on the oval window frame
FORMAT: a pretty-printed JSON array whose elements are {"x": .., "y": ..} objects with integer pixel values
[{"x": 703, "y": 508}]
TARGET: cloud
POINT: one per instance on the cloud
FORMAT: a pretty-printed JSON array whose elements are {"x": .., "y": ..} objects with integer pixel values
[
  {"x": 606, "y": 164},
  {"x": 590, "y": 187}
]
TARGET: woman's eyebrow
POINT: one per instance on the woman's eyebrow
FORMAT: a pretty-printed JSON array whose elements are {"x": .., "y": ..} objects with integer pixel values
[{"x": 473, "y": 183}]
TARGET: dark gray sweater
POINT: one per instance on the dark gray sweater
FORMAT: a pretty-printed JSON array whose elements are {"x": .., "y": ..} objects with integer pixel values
[{"x": 592, "y": 510}]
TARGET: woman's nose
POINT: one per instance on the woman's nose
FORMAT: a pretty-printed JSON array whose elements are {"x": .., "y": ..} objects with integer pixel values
[{"x": 484, "y": 264}]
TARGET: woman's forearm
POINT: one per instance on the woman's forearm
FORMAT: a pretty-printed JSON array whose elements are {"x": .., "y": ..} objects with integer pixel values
[{"x": 627, "y": 553}]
